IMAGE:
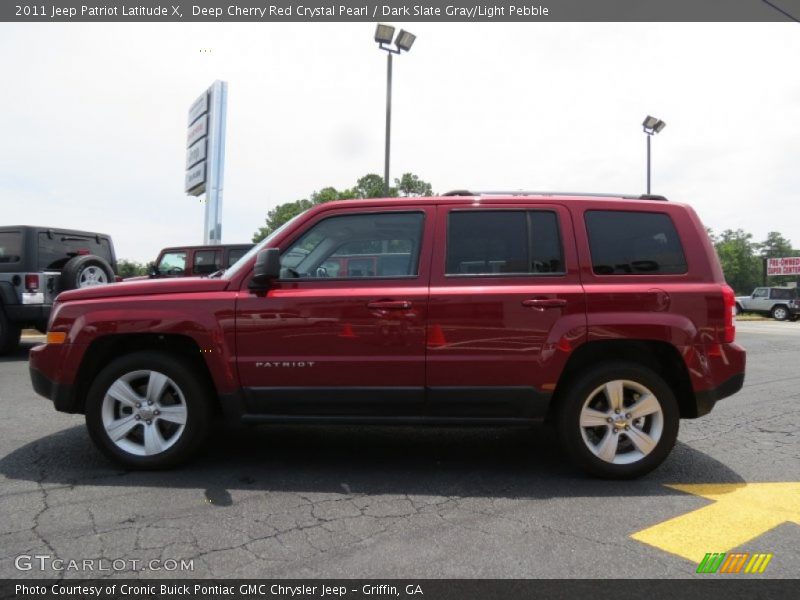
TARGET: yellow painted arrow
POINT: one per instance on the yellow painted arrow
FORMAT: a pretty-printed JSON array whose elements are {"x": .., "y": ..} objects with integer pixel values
[{"x": 741, "y": 512}]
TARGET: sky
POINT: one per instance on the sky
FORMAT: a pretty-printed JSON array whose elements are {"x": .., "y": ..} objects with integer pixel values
[{"x": 93, "y": 118}]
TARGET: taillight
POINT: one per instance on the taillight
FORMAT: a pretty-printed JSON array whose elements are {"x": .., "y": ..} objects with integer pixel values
[
  {"x": 729, "y": 302},
  {"x": 32, "y": 282}
]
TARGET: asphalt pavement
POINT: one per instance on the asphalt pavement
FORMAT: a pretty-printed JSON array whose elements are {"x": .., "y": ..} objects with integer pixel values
[{"x": 372, "y": 502}]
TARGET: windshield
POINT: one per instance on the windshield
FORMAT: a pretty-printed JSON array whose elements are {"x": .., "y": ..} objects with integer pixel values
[{"x": 239, "y": 264}]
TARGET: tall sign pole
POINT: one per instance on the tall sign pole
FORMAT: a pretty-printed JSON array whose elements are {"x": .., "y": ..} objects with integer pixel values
[{"x": 205, "y": 156}]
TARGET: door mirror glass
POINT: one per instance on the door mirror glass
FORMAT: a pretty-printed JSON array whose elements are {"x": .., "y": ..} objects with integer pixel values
[{"x": 268, "y": 267}]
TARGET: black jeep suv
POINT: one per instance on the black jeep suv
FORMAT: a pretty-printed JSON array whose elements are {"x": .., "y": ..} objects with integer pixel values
[{"x": 36, "y": 263}]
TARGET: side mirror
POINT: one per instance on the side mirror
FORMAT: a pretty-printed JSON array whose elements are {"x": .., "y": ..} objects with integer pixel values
[
  {"x": 152, "y": 271},
  {"x": 268, "y": 267}
]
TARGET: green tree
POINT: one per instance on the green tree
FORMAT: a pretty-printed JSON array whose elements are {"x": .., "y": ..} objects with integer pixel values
[
  {"x": 371, "y": 186},
  {"x": 130, "y": 268},
  {"x": 368, "y": 186},
  {"x": 411, "y": 185},
  {"x": 279, "y": 215},
  {"x": 740, "y": 264}
]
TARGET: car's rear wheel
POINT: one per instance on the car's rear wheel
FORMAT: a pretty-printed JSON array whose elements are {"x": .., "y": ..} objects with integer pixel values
[
  {"x": 148, "y": 410},
  {"x": 618, "y": 420},
  {"x": 780, "y": 313}
]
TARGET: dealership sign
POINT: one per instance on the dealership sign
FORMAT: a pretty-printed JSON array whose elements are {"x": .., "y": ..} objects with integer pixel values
[
  {"x": 205, "y": 155},
  {"x": 783, "y": 266},
  {"x": 196, "y": 136}
]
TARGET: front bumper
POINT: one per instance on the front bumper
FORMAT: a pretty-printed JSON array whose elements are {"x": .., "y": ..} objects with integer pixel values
[
  {"x": 52, "y": 368},
  {"x": 62, "y": 395}
]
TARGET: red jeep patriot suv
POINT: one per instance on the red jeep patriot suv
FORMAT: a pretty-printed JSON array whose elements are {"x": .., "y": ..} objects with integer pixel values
[{"x": 605, "y": 315}]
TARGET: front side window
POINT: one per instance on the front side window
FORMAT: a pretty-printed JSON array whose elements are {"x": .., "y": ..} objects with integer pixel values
[
  {"x": 497, "y": 242},
  {"x": 634, "y": 243},
  {"x": 357, "y": 246},
  {"x": 172, "y": 264}
]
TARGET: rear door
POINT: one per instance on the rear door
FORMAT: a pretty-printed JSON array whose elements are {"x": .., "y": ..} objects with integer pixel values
[{"x": 506, "y": 304}]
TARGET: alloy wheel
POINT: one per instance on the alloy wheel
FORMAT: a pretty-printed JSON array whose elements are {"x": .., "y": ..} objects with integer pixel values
[
  {"x": 144, "y": 413},
  {"x": 621, "y": 421}
]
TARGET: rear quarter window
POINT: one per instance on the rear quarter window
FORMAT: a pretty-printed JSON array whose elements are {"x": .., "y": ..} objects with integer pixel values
[
  {"x": 10, "y": 248},
  {"x": 57, "y": 248},
  {"x": 784, "y": 294},
  {"x": 634, "y": 243}
]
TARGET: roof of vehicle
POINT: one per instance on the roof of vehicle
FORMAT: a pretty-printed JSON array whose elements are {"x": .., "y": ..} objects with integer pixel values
[
  {"x": 54, "y": 230},
  {"x": 207, "y": 246},
  {"x": 460, "y": 196}
]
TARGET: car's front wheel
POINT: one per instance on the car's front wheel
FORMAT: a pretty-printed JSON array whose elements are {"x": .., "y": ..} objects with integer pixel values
[
  {"x": 618, "y": 420},
  {"x": 148, "y": 410}
]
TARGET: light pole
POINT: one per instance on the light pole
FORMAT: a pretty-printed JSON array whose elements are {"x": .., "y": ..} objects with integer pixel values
[
  {"x": 651, "y": 125},
  {"x": 403, "y": 42}
]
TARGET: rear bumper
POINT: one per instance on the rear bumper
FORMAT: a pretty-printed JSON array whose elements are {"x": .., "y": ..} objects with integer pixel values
[
  {"x": 708, "y": 398},
  {"x": 28, "y": 314},
  {"x": 717, "y": 371}
]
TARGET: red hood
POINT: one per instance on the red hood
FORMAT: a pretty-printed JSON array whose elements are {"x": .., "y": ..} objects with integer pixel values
[{"x": 146, "y": 287}]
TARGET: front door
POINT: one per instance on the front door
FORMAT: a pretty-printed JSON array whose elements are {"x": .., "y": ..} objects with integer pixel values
[
  {"x": 343, "y": 330},
  {"x": 506, "y": 306}
]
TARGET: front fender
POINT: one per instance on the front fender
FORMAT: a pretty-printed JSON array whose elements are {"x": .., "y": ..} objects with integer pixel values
[{"x": 208, "y": 319}]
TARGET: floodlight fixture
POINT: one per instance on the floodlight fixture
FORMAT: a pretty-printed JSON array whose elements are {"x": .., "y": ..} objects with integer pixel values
[
  {"x": 649, "y": 122},
  {"x": 384, "y": 34},
  {"x": 405, "y": 39},
  {"x": 652, "y": 125}
]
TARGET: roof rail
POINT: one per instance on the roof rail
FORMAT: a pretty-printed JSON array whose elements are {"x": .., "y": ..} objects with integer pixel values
[{"x": 539, "y": 193}]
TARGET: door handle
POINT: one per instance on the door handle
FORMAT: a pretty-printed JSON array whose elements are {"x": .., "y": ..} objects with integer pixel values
[
  {"x": 390, "y": 304},
  {"x": 543, "y": 303}
]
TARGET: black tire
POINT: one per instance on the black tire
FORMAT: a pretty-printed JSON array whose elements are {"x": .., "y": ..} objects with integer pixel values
[
  {"x": 739, "y": 309},
  {"x": 89, "y": 267},
  {"x": 779, "y": 312},
  {"x": 9, "y": 334},
  {"x": 196, "y": 396},
  {"x": 571, "y": 403}
]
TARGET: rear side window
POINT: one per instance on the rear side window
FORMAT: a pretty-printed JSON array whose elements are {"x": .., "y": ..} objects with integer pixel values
[
  {"x": 206, "y": 261},
  {"x": 634, "y": 243},
  {"x": 784, "y": 294},
  {"x": 496, "y": 242},
  {"x": 10, "y": 247},
  {"x": 235, "y": 254},
  {"x": 56, "y": 248}
]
